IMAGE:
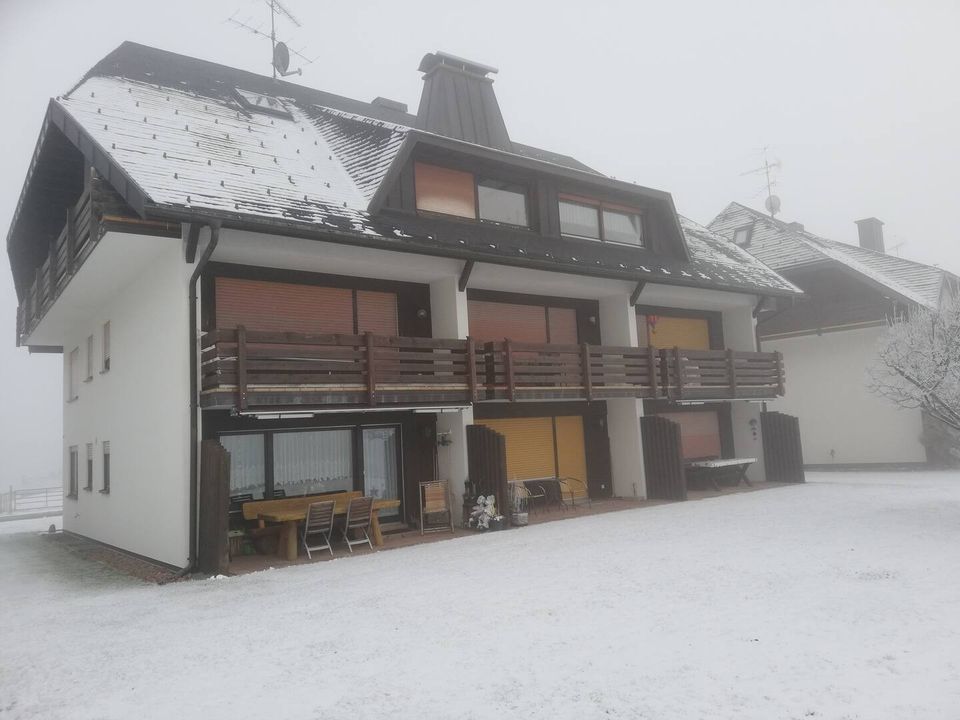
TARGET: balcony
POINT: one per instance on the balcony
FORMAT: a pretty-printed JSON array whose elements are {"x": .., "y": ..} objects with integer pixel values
[{"x": 247, "y": 370}]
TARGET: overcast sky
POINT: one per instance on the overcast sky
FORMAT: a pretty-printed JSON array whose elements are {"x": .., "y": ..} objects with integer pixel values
[{"x": 857, "y": 99}]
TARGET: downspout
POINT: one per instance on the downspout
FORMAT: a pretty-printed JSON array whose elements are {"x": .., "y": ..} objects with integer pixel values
[{"x": 194, "y": 398}]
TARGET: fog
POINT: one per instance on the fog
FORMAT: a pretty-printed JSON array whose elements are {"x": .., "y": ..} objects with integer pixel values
[{"x": 857, "y": 100}]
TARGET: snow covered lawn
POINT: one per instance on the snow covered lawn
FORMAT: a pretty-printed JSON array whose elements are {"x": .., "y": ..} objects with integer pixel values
[{"x": 839, "y": 599}]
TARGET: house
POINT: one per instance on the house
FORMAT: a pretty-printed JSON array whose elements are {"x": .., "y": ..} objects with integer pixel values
[
  {"x": 335, "y": 290},
  {"x": 828, "y": 337}
]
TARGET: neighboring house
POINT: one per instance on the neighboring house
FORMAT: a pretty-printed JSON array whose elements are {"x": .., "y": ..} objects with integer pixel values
[
  {"x": 828, "y": 337},
  {"x": 337, "y": 289}
]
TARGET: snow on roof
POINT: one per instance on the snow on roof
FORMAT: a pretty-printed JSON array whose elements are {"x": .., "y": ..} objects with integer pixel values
[
  {"x": 310, "y": 163},
  {"x": 785, "y": 246}
]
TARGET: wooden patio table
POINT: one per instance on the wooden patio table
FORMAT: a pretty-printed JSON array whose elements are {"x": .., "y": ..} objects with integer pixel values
[
  {"x": 287, "y": 547},
  {"x": 713, "y": 470}
]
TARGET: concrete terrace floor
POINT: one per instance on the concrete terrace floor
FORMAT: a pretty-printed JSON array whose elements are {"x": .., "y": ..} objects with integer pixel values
[{"x": 836, "y": 599}]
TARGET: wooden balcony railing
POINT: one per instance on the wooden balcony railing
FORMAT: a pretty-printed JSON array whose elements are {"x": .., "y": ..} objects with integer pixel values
[
  {"x": 245, "y": 369},
  {"x": 98, "y": 209}
]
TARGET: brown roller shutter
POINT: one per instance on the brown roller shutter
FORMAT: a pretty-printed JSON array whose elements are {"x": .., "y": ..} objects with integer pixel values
[
  {"x": 563, "y": 326},
  {"x": 496, "y": 321},
  {"x": 699, "y": 433},
  {"x": 283, "y": 307},
  {"x": 377, "y": 312}
]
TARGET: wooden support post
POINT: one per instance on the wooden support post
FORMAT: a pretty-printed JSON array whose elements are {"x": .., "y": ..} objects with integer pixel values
[
  {"x": 371, "y": 369},
  {"x": 465, "y": 275},
  {"x": 780, "y": 389},
  {"x": 732, "y": 373},
  {"x": 585, "y": 367},
  {"x": 508, "y": 365},
  {"x": 652, "y": 370},
  {"x": 472, "y": 369},
  {"x": 678, "y": 365},
  {"x": 241, "y": 367},
  {"x": 71, "y": 241}
]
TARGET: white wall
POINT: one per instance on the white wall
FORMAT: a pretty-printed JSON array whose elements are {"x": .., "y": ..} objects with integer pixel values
[
  {"x": 739, "y": 333},
  {"x": 140, "y": 405},
  {"x": 840, "y": 420}
]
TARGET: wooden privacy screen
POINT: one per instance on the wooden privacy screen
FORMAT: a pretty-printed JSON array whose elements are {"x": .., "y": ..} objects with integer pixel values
[
  {"x": 782, "y": 451},
  {"x": 664, "y": 331},
  {"x": 212, "y": 556},
  {"x": 662, "y": 459},
  {"x": 289, "y": 307},
  {"x": 526, "y": 323},
  {"x": 487, "y": 465}
]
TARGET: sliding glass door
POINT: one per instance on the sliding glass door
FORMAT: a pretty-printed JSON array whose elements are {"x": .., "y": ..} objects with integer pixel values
[{"x": 381, "y": 466}]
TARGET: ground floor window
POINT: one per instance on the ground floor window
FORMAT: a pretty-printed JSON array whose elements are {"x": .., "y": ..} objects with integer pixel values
[{"x": 285, "y": 463}]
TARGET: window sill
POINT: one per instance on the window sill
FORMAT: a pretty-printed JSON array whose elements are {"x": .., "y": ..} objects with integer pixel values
[
  {"x": 103, "y": 492},
  {"x": 603, "y": 242},
  {"x": 88, "y": 379},
  {"x": 73, "y": 399},
  {"x": 104, "y": 372},
  {"x": 88, "y": 489},
  {"x": 70, "y": 496}
]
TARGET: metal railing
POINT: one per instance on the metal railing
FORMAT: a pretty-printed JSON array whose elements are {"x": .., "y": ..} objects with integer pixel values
[{"x": 31, "y": 500}]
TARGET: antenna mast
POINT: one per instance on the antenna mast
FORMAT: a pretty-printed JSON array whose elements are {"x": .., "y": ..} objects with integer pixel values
[
  {"x": 772, "y": 203},
  {"x": 280, "y": 55}
]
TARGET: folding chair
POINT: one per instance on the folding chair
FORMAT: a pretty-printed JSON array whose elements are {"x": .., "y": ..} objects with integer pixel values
[
  {"x": 359, "y": 514},
  {"x": 576, "y": 489},
  {"x": 319, "y": 522},
  {"x": 435, "y": 500}
]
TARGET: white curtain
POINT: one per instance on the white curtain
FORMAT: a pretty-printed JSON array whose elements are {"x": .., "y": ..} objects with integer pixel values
[
  {"x": 381, "y": 475},
  {"x": 246, "y": 463},
  {"x": 313, "y": 461}
]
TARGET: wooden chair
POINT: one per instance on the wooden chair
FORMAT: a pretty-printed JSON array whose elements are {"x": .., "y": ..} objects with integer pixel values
[
  {"x": 575, "y": 488},
  {"x": 435, "y": 501},
  {"x": 359, "y": 514},
  {"x": 319, "y": 522}
]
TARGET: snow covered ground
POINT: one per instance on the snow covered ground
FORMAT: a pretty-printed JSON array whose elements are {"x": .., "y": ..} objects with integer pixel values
[{"x": 835, "y": 600}]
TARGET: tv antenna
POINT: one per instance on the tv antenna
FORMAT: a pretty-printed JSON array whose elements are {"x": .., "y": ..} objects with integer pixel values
[
  {"x": 772, "y": 203},
  {"x": 281, "y": 52}
]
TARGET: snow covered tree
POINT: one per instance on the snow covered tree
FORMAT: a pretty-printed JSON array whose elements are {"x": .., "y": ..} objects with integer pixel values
[{"x": 918, "y": 363}]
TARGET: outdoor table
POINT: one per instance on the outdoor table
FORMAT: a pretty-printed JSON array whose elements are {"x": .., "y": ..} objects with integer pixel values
[
  {"x": 712, "y": 470},
  {"x": 288, "y": 519}
]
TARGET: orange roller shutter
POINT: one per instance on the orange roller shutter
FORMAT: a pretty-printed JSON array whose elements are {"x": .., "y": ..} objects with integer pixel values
[
  {"x": 442, "y": 190},
  {"x": 530, "y": 450},
  {"x": 377, "y": 312},
  {"x": 662, "y": 331},
  {"x": 571, "y": 448},
  {"x": 699, "y": 433},
  {"x": 283, "y": 307}
]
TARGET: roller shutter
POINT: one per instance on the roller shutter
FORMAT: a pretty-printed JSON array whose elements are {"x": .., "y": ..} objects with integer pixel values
[
  {"x": 377, "y": 312},
  {"x": 283, "y": 307},
  {"x": 699, "y": 433},
  {"x": 524, "y": 323},
  {"x": 571, "y": 448},
  {"x": 530, "y": 449},
  {"x": 663, "y": 331}
]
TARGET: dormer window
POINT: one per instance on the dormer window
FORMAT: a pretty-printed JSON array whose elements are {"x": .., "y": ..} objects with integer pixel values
[
  {"x": 597, "y": 220},
  {"x": 461, "y": 194},
  {"x": 742, "y": 235}
]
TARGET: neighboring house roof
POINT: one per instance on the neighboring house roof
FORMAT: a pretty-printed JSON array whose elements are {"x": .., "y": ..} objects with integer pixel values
[
  {"x": 183, "y": 139},
  {"x": 786, "y": 246}
]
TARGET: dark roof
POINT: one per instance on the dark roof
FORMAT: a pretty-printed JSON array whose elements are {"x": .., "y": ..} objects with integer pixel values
[
  {"x": 172, "y": 132},
  {"x": 787, "y": 246}
]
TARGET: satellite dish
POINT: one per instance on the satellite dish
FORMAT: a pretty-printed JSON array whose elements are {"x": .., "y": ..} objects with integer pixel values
[
  {"x": 772, "y": 204},
  {"x": 281, "y": 57}
]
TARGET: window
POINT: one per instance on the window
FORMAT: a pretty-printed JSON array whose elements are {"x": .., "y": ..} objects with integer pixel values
[
  {"x": 74, "y": 472},
  {"x": 622, "y": 227},
  {"x": 579, "y": 220},
  {"x": 742, "y": 236},
  {"x": 106, "y": 468},
  {"x": 595, "y": 220},
  {"x": 89, "y": 375},
  {"x": 442, "y": 190},
  {"x": 89, "y": 485},
  {"x": 502, "y": 202},
  {"x": 106, "y": 346},
  {"x": 459, "y": 193},
  {"x": 247, "y": 472},
  {"x": 73, "y": 374},
  {"x": 313, "y": 461}
]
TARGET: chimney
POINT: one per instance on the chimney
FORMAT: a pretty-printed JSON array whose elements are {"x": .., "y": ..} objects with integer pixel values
[
  {"x": 389, "y": 104},
  {"x": 458, "y": 101},
  {"x": 871, "y": 234}
]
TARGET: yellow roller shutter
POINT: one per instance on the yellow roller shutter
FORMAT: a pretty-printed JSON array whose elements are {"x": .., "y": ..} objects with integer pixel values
[
  {"x": 529, "y": 446},
  {"x": 662, "y": 331},
  {"x": 571, "y": 452}
]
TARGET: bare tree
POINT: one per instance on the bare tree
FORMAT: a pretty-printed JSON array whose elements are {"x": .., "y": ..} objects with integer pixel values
[{"x": 918, "y": 363}]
